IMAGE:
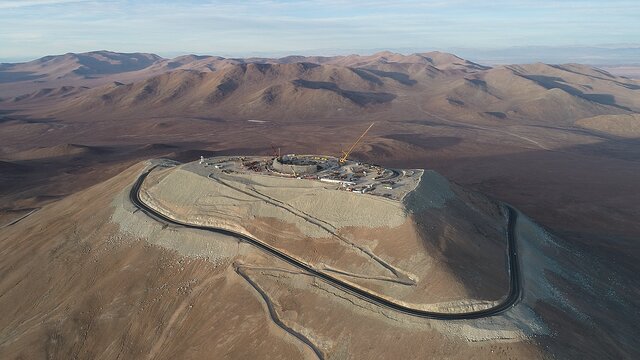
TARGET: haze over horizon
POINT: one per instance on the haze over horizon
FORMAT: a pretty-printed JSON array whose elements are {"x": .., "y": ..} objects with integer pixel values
[
  {"x": 319, "y": 179},
  {"x": 503, "y": 31}
]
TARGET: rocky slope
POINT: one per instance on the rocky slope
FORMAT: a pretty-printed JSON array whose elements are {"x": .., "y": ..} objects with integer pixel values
[
  {"x": 110, "y": 281},
  {"x": 383, "y": 85}
]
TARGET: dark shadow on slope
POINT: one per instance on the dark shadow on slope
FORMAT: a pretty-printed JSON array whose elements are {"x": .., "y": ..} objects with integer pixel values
[
  {"x": 608, "y": 76},
  {"x": 358, "y": 97},
  {"x": 365, "y": 75},
  {"x": 114, "y": 63},
  {"x": 553, "y": 186},
  {"x": 455, "y": 102},
  {"x": 403, "y": 79},
  {"x": 316, "y": 85},
  {"x": 365, "y": 98},
  {"x": 587, "y": 195},
  {"x": 16, "y": 76},
  {"x": 25, "y": 119},
  {"x": 477, "y": 83},
  {"x": 426, "y": 142},
  {"x": 496, "y": 114},
  {"x": 465, "y": 232},
  {"x": 552, "y": 82},
  {"x": 222, "y": 91},
  {"x": 4, "y": 113},
  {"x": 438, "y": 124},
  {"x": 622, "y": 149}
]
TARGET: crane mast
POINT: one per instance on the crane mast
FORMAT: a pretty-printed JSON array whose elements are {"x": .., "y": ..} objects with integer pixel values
[{"x": 345, "y": 155}]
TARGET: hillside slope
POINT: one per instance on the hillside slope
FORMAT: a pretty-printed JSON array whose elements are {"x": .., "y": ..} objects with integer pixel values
[
  {"x": 90, "y": 276},
  {"x": 382, "y": 85},
  {"x": 378, "y": 89}
]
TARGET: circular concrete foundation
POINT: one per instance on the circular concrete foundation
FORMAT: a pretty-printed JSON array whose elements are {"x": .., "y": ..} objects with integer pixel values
[{"x": 289, "y": 166}]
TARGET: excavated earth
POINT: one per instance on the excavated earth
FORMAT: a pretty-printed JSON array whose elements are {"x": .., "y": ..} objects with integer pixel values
[
  {"x": 370, "y": 240},
  {"x": 92, "y": 276}
]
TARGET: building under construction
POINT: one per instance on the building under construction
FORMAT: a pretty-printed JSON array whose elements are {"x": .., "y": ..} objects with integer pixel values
[
  {"x": 344, "y": 174},
  {"x": 302, "y": 164}
]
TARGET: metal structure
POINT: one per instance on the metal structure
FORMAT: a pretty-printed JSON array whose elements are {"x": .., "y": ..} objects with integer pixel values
[
  {"x": 276, "y": 152},
  {"x": 345, "y": 155}
]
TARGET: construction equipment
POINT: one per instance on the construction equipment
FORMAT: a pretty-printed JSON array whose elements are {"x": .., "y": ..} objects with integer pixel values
[
  {"x": 345, "y": 155},
  {"x": 276, "y": 152}
]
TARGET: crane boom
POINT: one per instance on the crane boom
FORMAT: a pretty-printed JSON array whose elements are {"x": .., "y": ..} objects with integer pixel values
[{"x": 345, "y": 155}]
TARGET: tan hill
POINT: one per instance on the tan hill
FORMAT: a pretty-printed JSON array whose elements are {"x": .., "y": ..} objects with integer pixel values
[
  {"x": 80, "y": 65},
  {"x": 520, "y": 93},
  {"x": 73, "y": 69},
  {"x": 387, "y": 59},
  {"x": 584, "y": 82},
  {"x": 511, "y": 94},
  {"x": 288, "y": 90},
  {"x": 100, "y": 67},
  {"x": 103, "y": 63},
  {"x": 440, "y": 83},
  {"x": 203, "y": 63},
  {"x": 627, "y": 126}
]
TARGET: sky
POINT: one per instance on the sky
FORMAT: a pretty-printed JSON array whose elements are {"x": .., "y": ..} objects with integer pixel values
[{"x": 35, "y": 28}]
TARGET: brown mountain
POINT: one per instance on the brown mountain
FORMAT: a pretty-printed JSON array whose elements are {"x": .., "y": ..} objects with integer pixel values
[
  {"x": 82, "y": 69},
  {"x": 255, "y": 90},
  {"x": 558, "y": 142},
  {"x": 95, "y": 63},
  {"x": 100, "y": 67},
  {"x": 384, "y": 85}
]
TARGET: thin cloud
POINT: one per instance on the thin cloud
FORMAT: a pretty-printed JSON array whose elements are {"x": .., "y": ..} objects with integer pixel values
[
  {"x": 240, "y": 27},
  {"x": 11, "y": 4}
]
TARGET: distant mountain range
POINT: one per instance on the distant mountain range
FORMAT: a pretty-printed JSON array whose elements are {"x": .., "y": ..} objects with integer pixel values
[{"x": 383, "y": 85}]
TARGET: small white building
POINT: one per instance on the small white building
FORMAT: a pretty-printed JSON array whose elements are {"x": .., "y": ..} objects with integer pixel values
[{"x": 335, "y": 181}]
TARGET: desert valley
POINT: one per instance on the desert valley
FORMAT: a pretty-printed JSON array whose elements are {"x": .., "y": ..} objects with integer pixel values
[{"x": 149, "y": 208}]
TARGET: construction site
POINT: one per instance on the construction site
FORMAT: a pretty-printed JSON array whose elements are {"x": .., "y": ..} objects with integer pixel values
[{"x": 341, "y": 173}]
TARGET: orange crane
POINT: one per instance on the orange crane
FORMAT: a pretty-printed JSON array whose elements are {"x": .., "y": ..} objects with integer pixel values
[{"x": 345, "y": 155}]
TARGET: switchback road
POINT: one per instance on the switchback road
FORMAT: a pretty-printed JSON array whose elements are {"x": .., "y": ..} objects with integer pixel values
[{"x": 515, "y": 286}]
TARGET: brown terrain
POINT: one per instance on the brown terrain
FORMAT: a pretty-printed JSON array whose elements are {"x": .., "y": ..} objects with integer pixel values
[
  {"x": 629, "y": 71},
  {"x": 85, "y": 275}
]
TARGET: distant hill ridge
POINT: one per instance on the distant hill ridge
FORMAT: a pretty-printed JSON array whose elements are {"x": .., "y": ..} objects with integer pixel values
[{"x": 388, "y": 84}]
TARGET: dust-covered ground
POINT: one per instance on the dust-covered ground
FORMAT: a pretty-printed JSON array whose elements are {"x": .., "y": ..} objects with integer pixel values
[
  {"x": 113, "y": 283},
  {"x": 554, "y": 141}
]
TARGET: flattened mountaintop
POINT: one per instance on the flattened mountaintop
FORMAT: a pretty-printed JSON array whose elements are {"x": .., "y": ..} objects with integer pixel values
[{"x": 433, "y": 247}]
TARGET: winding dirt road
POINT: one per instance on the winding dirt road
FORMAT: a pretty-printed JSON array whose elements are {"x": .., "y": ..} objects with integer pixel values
[{"x": 515, "y": 287}]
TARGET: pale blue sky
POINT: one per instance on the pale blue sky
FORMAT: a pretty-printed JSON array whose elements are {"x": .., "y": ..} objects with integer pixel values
[{"x": 33, "y": 28}]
